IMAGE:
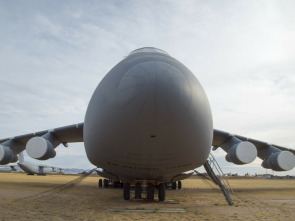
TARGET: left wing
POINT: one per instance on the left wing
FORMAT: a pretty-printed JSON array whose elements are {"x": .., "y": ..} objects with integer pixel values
[
  {"x": 40, "y": 145},
  {"x": 12, "y": 167},
  {"x": 243, "y": 150}
]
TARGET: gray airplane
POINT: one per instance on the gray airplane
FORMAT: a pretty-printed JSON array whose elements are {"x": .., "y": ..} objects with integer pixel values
[
  {"x": 31, "y": 168},
  {"x": 148, "y": 122}
]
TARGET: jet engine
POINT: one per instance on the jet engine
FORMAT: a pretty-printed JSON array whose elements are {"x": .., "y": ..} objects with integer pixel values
[
  {"x": 14, "y": 159},
  {"x": 239, "y": 152},
  {"x": 276, "y": 159},
  {"x": 243, "y": 150},
  {"x": 42, "y": 148},
  {"x": 9, "y": 150},
  {"x": 6, "y": 155}
]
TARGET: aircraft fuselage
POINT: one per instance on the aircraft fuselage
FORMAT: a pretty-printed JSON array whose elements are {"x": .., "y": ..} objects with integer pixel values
[
  {"x": 32, "y": 168},
  {"x": 148, "y": 119}
]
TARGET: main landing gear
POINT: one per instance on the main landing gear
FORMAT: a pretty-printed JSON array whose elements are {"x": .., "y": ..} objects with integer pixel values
[
  {"x": 142, "y": 190},
  {"x": 174, "y": 185},
  {"x": 107, "y": 183},
  {"x": 126, "y": 191},
  {"x": 147, "y": 188}
]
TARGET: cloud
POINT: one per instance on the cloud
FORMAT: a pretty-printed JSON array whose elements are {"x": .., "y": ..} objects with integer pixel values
[{"x": 53, "y": 54}]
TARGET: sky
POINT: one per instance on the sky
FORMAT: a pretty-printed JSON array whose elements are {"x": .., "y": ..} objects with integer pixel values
[{"x": 53, "y": 54}]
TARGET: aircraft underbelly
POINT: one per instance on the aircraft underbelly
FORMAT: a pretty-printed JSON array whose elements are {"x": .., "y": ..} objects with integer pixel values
[{"x": 149, "y": 117}]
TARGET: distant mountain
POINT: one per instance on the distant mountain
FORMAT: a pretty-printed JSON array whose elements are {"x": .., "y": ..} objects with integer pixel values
[{"x": 73, "y": 170}]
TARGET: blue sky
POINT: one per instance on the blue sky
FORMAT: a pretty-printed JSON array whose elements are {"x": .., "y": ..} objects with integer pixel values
[{"x": 54, "y": 53}]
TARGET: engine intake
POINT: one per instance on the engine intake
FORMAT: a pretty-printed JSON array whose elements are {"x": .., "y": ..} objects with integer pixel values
[
  {"x": 280, "y": 161},
  {"x": 42, "y": 148},
  {"x": 239, "y": 152}
]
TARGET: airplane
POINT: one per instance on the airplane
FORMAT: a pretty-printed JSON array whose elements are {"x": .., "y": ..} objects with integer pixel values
[
  {"x": 147, "y": 123},
  {"x": 31, "y": 168},
  {"x": 39, "y": 169}
]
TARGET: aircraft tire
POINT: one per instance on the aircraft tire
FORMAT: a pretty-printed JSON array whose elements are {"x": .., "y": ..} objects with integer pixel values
[
  {"x": 105, "y": 183},
  {"x": 100, "y": 183},
  {"x": 161, "y": 192},
  {"x": 126, "y": 191},
  {"x": 166, "y": 186},
  {"x": 174, "y": 185},
  {"x": 117, "y": 184},
  {"x": 179, "y": 185},
  {"x": 137, "y": 191},
  {"x": 150, "y": 191}
]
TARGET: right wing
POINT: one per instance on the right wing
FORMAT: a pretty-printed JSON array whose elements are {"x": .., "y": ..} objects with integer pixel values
[
  {"x": 221, "y": 137},
  {"x": 40, "y": 145},
  {"x": 243, "y": 150}
]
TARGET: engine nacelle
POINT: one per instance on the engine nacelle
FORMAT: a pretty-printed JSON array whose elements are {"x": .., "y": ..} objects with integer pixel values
[
  {"x": 239, "y": 152},
  {"x": 42, "y": 148},
  {"x": 14, "y": 159},
  {"x": 280, "y": 161},
  {"x": 6, "y": 155},
  {"x": 9, "y": 150}
]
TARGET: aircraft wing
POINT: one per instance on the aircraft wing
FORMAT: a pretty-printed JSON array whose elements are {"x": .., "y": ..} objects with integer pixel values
[
  {"x": 240, "y": 150},
  {"x": 45, "y": 141},
  {"x": 243, "y": 150},
  {"x": 12, "y": 167},
  {"x": 66, "y": 134}
]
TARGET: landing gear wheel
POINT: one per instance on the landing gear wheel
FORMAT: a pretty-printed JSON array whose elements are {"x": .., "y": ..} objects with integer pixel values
[
  {"x": 150, "y": 192},
  {"x": 105, "y": 183},
  {"x": 100, "y": 183},
  {"x": 137, "y": 191},
  {"x": 161, "y": 193},
  {"x": 126, "y": 191},
  {"x": 174, "y": 185},
  {"x": 166, "y": 186},
  {"x": 117, "y": 184},
  {"x": 179, "y": 185}
]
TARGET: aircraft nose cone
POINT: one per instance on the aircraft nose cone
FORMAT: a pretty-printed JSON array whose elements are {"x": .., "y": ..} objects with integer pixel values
[
  {"x": 148, "y": 109},
  {"x": 154, "y": 87}
]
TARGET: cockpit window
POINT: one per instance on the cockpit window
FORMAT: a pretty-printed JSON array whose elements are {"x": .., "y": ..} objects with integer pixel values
[{"x": 148, "y": 49}]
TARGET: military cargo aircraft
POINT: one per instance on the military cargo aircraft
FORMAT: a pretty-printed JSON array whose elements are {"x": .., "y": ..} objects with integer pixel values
[
  {"x": 148, "y": 122},
  {"x": 32, "y": 168},
  {"x": 39, "y": 169}
]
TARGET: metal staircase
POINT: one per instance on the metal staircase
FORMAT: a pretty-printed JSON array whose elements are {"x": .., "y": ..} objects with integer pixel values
[{"x": 214, "y": 171}]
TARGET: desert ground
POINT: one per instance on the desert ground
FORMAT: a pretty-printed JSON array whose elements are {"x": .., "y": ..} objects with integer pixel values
[{"x": 60, "y": 197}]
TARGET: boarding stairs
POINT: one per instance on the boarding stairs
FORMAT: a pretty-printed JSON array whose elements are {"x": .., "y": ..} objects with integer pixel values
[{"x": 215, "y": 173}]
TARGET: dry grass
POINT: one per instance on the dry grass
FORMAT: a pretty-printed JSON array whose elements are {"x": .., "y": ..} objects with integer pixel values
[{"x": 255, "y": 199}]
